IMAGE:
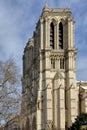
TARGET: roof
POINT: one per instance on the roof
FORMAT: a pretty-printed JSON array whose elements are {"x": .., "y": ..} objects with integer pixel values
[{"x": 84, "y": 87}]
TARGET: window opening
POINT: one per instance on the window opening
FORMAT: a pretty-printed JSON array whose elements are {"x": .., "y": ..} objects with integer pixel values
[
  {"x": 60, "y": 36},
  {"x": 52, "y": 35},
  {"x": 62, "y": 63},
  {"x": 52, "y": 64}
]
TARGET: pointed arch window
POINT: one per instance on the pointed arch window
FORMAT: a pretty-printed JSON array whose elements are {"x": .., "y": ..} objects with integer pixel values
[
  {"x": 52, "y": 63},
  {"x": 52, "y": 35},
  {"x": 60, "y": 36},
  {"x": 61, "y": 63}
]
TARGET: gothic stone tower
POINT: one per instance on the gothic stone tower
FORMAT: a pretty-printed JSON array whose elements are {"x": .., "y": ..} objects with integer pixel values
[{"x": 49, "y": 72}]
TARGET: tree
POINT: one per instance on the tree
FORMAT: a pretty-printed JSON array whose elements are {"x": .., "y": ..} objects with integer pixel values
[
  {"x": 79, "y": 121},
  {"x": 10, "y": 93}
]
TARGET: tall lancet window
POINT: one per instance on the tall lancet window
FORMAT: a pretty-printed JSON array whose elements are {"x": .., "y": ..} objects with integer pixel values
[
  {"x": 52, "y": 35},
  {"x": 61, "y": 63},
  {"x": 60, "y": 36}
]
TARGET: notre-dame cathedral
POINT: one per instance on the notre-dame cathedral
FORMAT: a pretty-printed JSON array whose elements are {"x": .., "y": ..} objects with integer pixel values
[{"x": 51, "y": 96}]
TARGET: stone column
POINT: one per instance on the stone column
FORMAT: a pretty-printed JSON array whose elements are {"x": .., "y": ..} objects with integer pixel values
[
  {"x": 62, "y": 106},
  {"x": 39, "y": 99},
  {"x": 46, "y": 33},
  {"x": 48, "y": 92},
  {"x": 57, "y": 36},
  {"x": 59, "y": 105},
  {"x": 70, "y": 33},
  {"x": 71, "y": 98},
  {"x": 41, "y": 33}
]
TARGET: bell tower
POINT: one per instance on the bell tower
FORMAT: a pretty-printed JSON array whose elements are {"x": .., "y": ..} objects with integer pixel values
[
  {"x": 58, "y": 68},
  {"x": 49, "y": 72}
]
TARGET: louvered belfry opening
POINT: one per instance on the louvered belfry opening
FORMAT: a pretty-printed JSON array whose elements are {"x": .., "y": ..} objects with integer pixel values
[
  {"x": 52, "y": 35},
  {"x": 60, "y": 36}
]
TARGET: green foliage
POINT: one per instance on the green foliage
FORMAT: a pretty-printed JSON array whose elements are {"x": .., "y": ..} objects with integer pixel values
[{"x": 79, "y": 121}]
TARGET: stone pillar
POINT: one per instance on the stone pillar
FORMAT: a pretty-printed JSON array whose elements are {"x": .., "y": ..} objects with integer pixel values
[
  {"x": 70, "y": 33},
  {"x": 49, "y": 120},
  {"x": 59, "y": 104},
  {"x": 39, "y": 99},
  {"x": 39, "y": 112},
  {"x": 57, "y": 36},
  {"x": 46, "y": 33},
  {"x": 62, "y": 106},
  {"x": 48, "y": 92},
  {"x": 41, "y": 33},
  {"x": 71, "y": 93}
]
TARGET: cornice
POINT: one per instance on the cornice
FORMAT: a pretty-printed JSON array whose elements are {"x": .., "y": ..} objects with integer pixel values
[{"x": 57, "y": 54}]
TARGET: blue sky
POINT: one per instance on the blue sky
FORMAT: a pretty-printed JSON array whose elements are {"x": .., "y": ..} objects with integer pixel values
[{"x": 18, "y": 19}]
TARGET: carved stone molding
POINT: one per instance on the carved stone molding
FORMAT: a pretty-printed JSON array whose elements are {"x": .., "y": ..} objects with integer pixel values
[{"x": 49, "y": 124}]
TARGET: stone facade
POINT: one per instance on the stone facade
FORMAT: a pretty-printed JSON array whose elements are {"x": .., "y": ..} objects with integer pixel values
[
  {"x": 50, "y": 92},
  {"x": 82, "y": 94}
]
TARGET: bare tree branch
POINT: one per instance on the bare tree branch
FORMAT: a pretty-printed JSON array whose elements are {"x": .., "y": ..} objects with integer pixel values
[{"x": 10, "y": 94}]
